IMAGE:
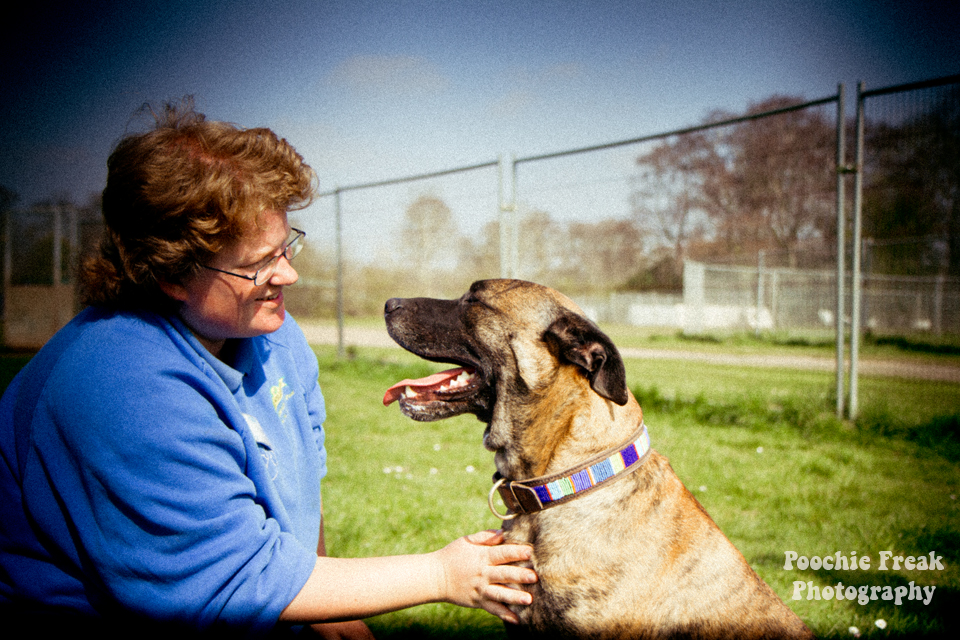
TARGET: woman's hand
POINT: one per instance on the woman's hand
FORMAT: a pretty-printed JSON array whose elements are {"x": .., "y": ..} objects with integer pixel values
[
  {"x": 473, "y": 571},
  {"x": 477, "y": 573}
]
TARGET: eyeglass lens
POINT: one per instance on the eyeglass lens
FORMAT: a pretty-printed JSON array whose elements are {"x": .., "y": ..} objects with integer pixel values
[{"x": 289, "y": 252}]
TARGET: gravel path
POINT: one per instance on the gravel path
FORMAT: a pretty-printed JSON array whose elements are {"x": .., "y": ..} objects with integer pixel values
[{"x": 367, "y": 337}]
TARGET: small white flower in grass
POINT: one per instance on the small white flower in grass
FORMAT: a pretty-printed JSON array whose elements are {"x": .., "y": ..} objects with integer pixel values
[
  {"x": 854, "y": 632},
  {"x": 436, "y": 447},
  {"x": 703, "y": 488},
  {"x": 759, "y": 449},
  {"x": 434, "y": 471},
  {"x": 388, "y": 469},
  {"x": 470, "y": 468},
  {"x": 881, "y": 623}
]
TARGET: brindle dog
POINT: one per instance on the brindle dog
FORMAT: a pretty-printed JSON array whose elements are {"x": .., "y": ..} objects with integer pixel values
[{"x": 635, "y": 556}]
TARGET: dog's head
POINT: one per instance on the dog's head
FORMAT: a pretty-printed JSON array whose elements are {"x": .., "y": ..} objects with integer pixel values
[{"x": 512, "y": 341}]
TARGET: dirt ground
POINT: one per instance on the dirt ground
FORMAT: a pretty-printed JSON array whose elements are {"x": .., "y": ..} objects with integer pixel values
[{"x": 367, "y": 337}]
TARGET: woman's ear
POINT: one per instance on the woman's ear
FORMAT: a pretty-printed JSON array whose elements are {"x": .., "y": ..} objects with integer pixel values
[{"x": 174, "y": 291}]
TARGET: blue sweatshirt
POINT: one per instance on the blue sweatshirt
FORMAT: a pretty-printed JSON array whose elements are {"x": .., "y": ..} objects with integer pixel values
[{"x": 139, "y": 473}]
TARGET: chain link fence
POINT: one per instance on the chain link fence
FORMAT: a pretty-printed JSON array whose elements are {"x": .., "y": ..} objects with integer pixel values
[
  {"x": 728, "y": 224},
  {"x": 42, "y": 247},
  {"x": 803, "y": 301}
]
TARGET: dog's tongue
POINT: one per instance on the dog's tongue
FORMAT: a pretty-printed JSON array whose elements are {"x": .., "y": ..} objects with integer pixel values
[{"x": 423, "y": 384}]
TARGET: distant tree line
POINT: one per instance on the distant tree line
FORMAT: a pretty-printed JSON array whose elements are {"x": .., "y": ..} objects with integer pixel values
[
  {"x": 912, "y": 191},
  {"x": 727, "y": 193},
  {"x": 722, "y": 194},
  {"x": 770, "y": 185}
]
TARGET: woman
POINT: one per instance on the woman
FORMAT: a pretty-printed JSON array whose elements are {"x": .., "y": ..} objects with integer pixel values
[{"x": 162, "y": 455}]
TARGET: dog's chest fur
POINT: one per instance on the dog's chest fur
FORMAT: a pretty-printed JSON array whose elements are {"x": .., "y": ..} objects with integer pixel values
[{"x": 603, "y": 574}]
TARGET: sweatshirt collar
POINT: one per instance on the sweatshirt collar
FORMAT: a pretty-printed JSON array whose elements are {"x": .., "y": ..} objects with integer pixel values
[{"x": 244, "y": 358}]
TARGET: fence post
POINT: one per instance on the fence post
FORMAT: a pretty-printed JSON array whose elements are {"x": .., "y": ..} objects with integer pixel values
[
  {"x": 7, "y": 267},
  {"x": 341, "y": 351},
  {"x": 56, "y": 211},
  {"x": 841, "y": 246},
  {"x": 856, "y": 284},
  {"x": 514, "y": 222},
  {"x": 509, "y": 235},
  {"x": 760, "y": 275},
  {"x": 73, "y": 242},
  {"x": 938, "y": 305},
  {"x": 774, "y": 292}
]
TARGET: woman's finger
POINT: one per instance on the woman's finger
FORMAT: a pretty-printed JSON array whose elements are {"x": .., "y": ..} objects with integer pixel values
[
  {"x": 507, "y": 595},
  {"x": 508, "y": 574},
  {"x": 506, "y": 553},
  {"x": 490, "y": 537},
  {"x": 501, "y": 612}
]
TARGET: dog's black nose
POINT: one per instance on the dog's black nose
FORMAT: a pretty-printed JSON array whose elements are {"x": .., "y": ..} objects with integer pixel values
[{"x": 392, "y": 305}]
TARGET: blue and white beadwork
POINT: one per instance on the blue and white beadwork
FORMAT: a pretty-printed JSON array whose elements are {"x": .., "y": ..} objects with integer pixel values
[{"x": 595, "y": 473}]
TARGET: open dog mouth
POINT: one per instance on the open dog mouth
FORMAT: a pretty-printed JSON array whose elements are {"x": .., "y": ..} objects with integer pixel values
[{"x": 441, "y": 395}]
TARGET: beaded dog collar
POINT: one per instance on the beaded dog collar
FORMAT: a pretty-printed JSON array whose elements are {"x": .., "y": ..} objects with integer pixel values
[{"x": 537, "y": 494}]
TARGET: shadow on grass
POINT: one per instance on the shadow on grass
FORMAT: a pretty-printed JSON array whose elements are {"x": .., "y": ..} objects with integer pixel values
[
  {"x": 941, "y": 434},
  {"x": 937, "y": 620},
  {"x": 911, "y": 618},
  {"x": 439, "y": 632}
]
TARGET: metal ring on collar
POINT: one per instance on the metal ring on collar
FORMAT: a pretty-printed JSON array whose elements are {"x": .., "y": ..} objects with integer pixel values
[{"x": 509, "y": 516}]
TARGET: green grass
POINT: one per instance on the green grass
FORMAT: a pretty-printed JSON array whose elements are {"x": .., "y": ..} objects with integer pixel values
[{"x": 759, "y": 448}]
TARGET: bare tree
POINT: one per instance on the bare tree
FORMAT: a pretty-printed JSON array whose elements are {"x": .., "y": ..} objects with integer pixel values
[
  {"x": 430, "y": 239},
  {"x": 912, "y": 191},
  {"x": 667, "y": 198},
  {"x": 541, "y": 244},
  {"x": 764, "y": 184},
  {"x": 543, "y": 241},
  {"x": 773, "y": 184},
  {"x": 481, "y": 259},
  {"x": 599, "y": 256}
]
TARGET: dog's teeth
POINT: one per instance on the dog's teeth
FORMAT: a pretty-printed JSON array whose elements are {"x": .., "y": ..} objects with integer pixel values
[
  {"x": 408, "y": 392},
  {"x": 462, "y": 380}
]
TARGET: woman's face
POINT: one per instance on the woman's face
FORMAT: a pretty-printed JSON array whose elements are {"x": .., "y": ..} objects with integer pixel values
[{"x": 218, "y": 306}]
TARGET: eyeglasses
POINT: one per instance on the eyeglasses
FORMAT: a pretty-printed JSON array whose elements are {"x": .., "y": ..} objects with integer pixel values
[{"x": 266, "y": 270}]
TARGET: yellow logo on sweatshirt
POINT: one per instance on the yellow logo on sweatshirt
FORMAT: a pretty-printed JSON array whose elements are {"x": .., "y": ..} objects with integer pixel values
[{"x": 280, "y": 399}]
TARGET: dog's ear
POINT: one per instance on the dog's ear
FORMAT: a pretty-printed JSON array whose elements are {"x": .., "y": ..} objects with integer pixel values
[{"x": 580, "y": 342}]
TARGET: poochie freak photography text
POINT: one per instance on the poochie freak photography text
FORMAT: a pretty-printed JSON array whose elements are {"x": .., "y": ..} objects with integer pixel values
[{"x": 863, "y": 593}]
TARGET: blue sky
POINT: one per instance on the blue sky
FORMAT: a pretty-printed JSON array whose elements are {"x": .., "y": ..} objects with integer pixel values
[{"x": 372, "y": 90}]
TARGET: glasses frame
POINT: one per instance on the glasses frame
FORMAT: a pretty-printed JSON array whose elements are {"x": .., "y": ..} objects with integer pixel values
[{"x": 262, "y": 275}]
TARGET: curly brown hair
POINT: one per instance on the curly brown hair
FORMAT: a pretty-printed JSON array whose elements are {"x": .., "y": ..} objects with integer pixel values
[{"x": 178, "y": 194}]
